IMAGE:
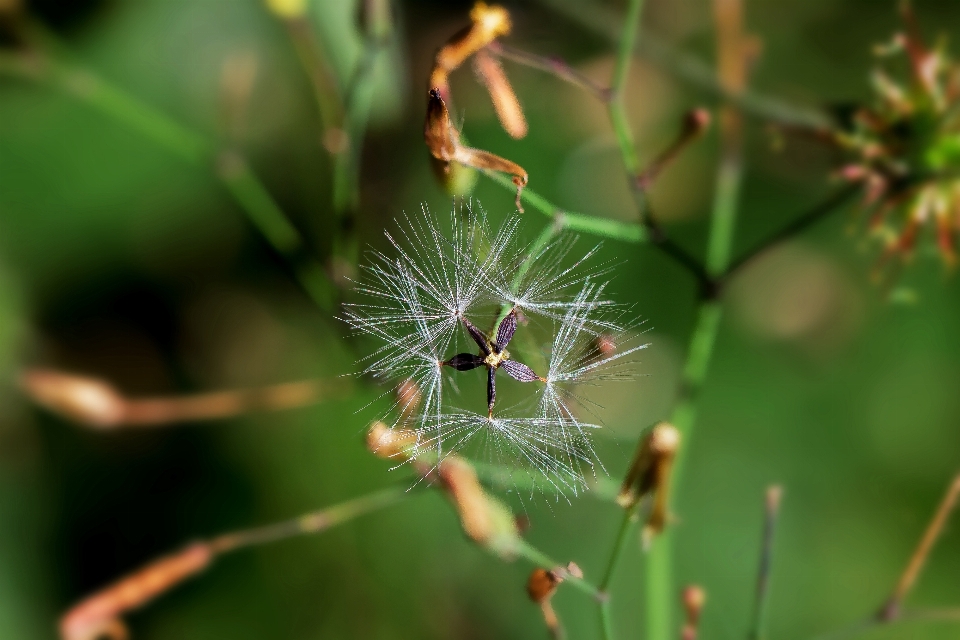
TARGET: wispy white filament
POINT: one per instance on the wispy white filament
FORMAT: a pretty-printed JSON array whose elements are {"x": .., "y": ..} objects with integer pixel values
[{"x": 415, "y": 301}]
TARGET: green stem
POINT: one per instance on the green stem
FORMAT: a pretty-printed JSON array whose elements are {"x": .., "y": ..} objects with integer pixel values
[
  {"x": 313, "y": 522},
  {"x": 759, "y": 621},
  {"x": 660, "y": 588},
  {"x": 722, "y": 223},
  {"x": 567, "y": 220},
  {"x": 242, "y": 184},
  {"x": 533, "y": 555},
  {"x": 693, "y": 70},
  {"x": 623, "y": 536},
  {"x": 618, "y": 115}
]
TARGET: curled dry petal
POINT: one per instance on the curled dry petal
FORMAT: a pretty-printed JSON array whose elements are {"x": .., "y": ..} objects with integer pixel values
[
  {"x": 505, "y": 101},
  {"x": 489, "y": 22},
  {"x": 443, "y": 141}
]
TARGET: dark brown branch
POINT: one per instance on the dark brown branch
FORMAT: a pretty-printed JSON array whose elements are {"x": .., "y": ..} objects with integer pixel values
[{"x": 795, "y": 227}]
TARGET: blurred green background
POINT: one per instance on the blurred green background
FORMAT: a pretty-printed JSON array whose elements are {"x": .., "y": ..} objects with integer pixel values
[{"x": 119, "y": 260}]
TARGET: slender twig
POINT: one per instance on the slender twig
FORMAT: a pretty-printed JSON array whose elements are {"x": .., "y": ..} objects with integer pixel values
[
  {"x": 793, "y": 228},
  {"x": 909, "y": 616},
  {"x": 620, "y": 543},
  {"x": 100, "y": 612},
  {"x": 772, "y": 511},
  {"x": 891, "y": 608},
  {"x": 554, "y": 66},
  {"x": 733, "y": 68},
  {"x": 568, "y": 220},
  {"x": 616, "y": 107},
  {"x": 691, "y": 69},
  {"x": 530, "y": 553},
  {"x": 242, "y": 184},
  {"x": 323, "y": 79},
  {"x": 313, "y": 522}
]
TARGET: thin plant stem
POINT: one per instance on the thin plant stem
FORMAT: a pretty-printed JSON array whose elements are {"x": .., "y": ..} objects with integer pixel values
[
  {"x": 771, "y": 512},
  {"x": 568, "y": 220},
  {"x": 357, "y": 106},
  {"x": 554, "y": 66},
  {"x": 151, "y": 412},
  {"x": 907, "y": 617},
  {"x": 732, "y": 64},
  {"x": 313, "y": 522},
  {"x": 240, "y": 182},
  {"x": 891, "y": 608},
  {"x": 793, "y": 228},
  {"x": 528, "y": 552},
  {"x": 691, "y": 69},
  {"x": 322, "y": 77},
  {"x": 620, "y": 543},
  {"x": 616, "y": 107},
  {"x": 660, "y": 592}
]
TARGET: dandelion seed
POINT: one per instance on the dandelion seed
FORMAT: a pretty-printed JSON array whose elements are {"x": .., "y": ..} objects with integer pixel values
[{"x": 422, "y": 301}]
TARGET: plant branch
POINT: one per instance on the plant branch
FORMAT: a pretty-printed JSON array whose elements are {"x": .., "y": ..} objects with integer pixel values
[
  {"x": 533, "y": 555},
  {"x": 568, "y": 220},
  {"x": 692, "y": 70},
  {"x": 623, "y": 536},
  {"x": 772, "y": 511},
  {"x": 798, "y": 225},
  {"x": 891, "y": 608},
  {"x": 240, "y": 182},
  {"x": 554, "y": 66}
]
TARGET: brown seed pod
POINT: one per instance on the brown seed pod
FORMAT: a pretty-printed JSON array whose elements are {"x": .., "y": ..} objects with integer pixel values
[{"x": 85, "y": 400}]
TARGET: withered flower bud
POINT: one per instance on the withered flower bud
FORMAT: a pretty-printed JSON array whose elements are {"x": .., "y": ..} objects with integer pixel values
[
  {"x": 542, "y": 584},
  {"x": 408, "y": 397},
  {"x": 387, "y": 443},
  {"x": 86, "y": 400},
  {"x": 484, "y": 519},
  {"x": 443, "y": 141},
  {"x": 605, "y": 345},
  {"x": 693, "y": 598},
  {"x": 505, "y": 101},
  {"x": 649, "y": 474},
  {"x": 99, "y": 614},
  {"x": 489, "y": 23}
]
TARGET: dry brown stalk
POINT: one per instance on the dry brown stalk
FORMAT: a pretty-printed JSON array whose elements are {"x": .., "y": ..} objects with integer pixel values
[
  {"x": 99, "y": 614},
  {"x": 95, "y": 403},
  {"x": 891, "y": 608}
]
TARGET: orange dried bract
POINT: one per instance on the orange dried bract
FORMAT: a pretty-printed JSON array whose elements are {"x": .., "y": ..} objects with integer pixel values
[
  {"x": 443, "y": 141},
  {"x": 505, "y": 101},
  {"x": 489, "y": 23},
  {"x": 100, "y": 613}
]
